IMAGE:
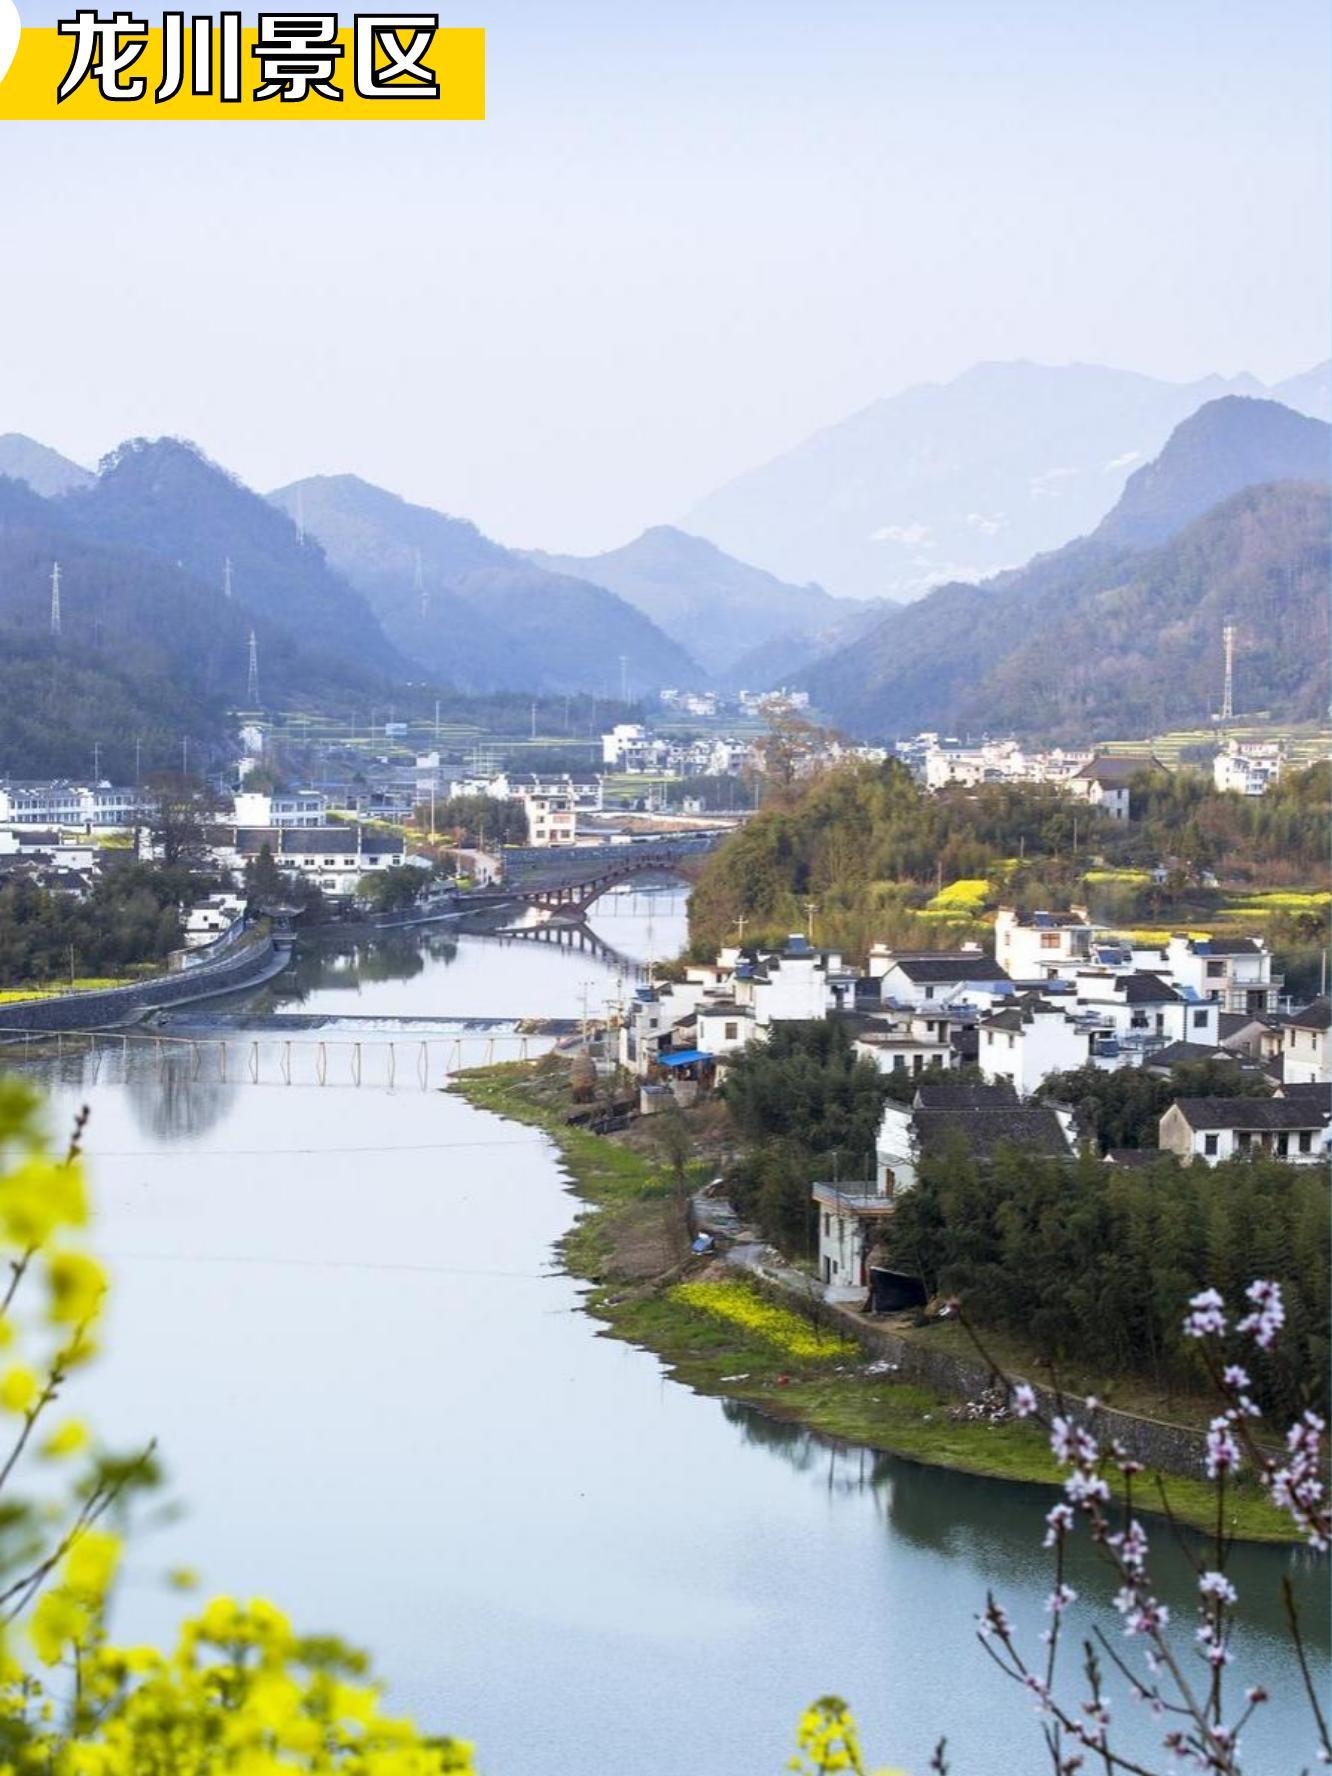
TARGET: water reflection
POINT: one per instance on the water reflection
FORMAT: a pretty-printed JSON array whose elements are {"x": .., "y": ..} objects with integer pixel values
[
  {"x": 168, "y": 1102},
  {"x": 996, "y": 1531}
]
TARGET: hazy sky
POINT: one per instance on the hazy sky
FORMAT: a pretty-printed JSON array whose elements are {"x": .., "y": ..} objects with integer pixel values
[{"x": 687, "y": 235}]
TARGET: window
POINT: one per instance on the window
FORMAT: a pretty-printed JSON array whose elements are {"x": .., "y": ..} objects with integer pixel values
[
  {"x": 1306, "y": 1142},
  {"x": 1010, "y": 1041},
  {"x": 1200, "y": 1020},
  {"x": 827, "y": 1225},
  {"x": 1049, "y": 940},
  {"x": 899, "y": 1063},
  {"x": 1215, "y": 970},
  {"x": 1210, "y": 1143},
  {"x": 732, "y": 1032},
  {"x": 929, "y": 992}
]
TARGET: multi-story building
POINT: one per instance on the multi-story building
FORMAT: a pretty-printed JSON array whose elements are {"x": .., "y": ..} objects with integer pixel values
[
  {"x": 1248, "y": 767},
  {"x": 87, "y": 807},
  {"x": 1042, "y": 946},
  {"x": 1235, "y": 972},
  {"x": 299, "y": 807},
  {"x": 1304, "y": 1045}
]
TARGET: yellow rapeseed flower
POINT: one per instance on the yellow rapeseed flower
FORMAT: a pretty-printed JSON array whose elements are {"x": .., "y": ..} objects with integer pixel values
[
  {"x": 18, "y": 1389},
  {"x": 76, "y": 1285}
]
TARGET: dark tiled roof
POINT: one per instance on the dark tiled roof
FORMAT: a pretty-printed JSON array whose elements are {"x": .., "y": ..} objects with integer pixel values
[
  {"x": 1186, "y": 1054},
  {"x": 1136, "y": 1156},
  {"x": 1309, "y": 1093},
  {"x": 308, "y": 841},
  {"x": 985, "y": 1129},
  {"x": 1119, "y": 771},
  {"x": 1144, "y": 989},
  {"x": 1227, "y": 946},
  {"x": 1247, "y": 1113},
  {"x": 964, "y": 1097},
  {"x": 955, "y": 967},
  {"x": 1317, "y": 1016}
]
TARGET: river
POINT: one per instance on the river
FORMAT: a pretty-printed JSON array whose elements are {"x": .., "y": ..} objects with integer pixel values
[{"x": 380, "y": 1404}]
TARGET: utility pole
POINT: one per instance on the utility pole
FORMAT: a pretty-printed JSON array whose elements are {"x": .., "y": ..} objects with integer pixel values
[
  {"x": 300, "y": 517},
  {"x": 185, "y": 755},
  {"x": 138, "y": 751},
  {"x": 811, "y": 907},
  {"x": 534, "y": 721},
  {"x": 55, "y": 598},
  {"x": 624, "y": 678},
  {"x": 226, "y": 577},
  {"x": 252, "y": 677},
  {"x": 436, "y": 718},
  {"x": 97, "y": 761}
]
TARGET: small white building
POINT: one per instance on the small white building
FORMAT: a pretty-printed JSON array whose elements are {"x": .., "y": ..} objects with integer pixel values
[
  {"x": 932, "y": 978},
  {"x": 724, "y": 1027},
  {"x": 1248, "y": 767},
  {"x": 1215, "y": 1129},
  {"x": 910, "y": 1045},
  {"x": 1304, "y": 1046},
  {"x": 1041, "y": 945},
  {"x": 1107, "y": 781},
  {"x": 789, "y": 985},
  {"x": 299, "y": 807},
  {"x": 1236, "y": 972},
  {"x": 209, "y": 919},
  {"x": 551, "y": 820}
]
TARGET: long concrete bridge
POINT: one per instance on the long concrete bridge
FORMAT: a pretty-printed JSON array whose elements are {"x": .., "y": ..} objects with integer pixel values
[{"x": 569, "y": 881}]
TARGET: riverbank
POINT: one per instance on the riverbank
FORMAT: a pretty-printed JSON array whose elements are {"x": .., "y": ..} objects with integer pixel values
[{"x": 631, "y": 1247}]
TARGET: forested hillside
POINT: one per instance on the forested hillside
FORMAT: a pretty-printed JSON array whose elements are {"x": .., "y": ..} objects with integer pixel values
[
  {"x": 1107, "y": 637},
  {"x": 872, "y": 850}
]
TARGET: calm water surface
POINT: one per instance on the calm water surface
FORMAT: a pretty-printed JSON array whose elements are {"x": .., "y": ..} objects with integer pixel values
[{"x": 381, "y": 1406}]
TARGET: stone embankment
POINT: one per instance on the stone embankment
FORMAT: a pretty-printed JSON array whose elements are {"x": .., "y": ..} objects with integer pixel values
[{"x": 246, "y": 962}]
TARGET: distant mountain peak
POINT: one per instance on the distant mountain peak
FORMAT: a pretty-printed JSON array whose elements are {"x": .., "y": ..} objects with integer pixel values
[
  {"x": 44, "y": 470},
  {"x": 1234, "y": 442}
]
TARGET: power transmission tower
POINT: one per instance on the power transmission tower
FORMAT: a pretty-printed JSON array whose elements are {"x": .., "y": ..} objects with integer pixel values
[
  {"x": 1228, "y": 687},
  {"x": 252, "y": 680},
  {"x": 55, "y": 598}
]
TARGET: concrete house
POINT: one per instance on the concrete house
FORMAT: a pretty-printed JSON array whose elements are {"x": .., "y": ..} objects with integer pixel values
[
  {"x": 1107, "y": 781},
  {"x": 1042, "y": 946},
  {"x": 334, "y": 858},
  {"x": 1234, "y": 971},
  {"x": 1214, "y": 1129},
  {"x": 1304, "y": 1045},
  {"x": 982, "y": 1118},
  {"x": 911, "y": 1044},
  {"x": 922, "y": 979},
  {"x": 1027, "y": 1041}
]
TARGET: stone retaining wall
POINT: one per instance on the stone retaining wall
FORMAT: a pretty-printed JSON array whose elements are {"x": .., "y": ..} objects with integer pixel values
[{"x": 258, "y": 961}]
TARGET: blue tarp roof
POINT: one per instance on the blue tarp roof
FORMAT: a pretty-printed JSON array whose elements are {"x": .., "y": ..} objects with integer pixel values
[{"x": 681, "y": 1057}]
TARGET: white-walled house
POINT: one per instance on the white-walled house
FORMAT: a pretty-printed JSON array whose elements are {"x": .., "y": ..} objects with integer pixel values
[
  {"x": 299, "y": 807},
  {"x": 1304, "y": 1045},
  {"x": 1025, "y": 1042},
  {"x": 334, "y": 858},
  {"x": 1234, "y": 971},
  {"x": 977, "y": 1118},
  {"x": 1042, "y": 946},
  {"x": 1146, "y": 1011},
  {"x": 551, "y": 820},
  {"x": 930, "y": 978},
  {"x": 911, "y": 1044},
  {"x": 724, "y": 1027},
  {"x": 1106, "y": 781},
  {"x": 1248, "y": 767},
  {"x": 790, "y": 985},
  {"x": 1294, "y": 1130}
]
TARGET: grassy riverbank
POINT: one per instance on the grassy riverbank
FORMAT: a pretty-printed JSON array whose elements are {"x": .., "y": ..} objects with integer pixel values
[{"x": 631, "y": 1246}]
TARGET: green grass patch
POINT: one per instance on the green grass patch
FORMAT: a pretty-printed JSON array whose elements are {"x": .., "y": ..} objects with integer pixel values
[{"x": 730, "y": 1338}]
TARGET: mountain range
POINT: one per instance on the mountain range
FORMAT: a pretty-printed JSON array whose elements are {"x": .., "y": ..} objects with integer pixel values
[
  {"x": 718, "y": 608},
  {"x": 465, "y": 610},
  {"x": 1119, "y": 632},
  {"x": 354, "y": 596},
  {"x": 960, "y": 480}
]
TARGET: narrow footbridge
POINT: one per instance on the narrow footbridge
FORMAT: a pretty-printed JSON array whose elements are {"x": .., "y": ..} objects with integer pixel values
[{"x": 569, "y": 881}]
